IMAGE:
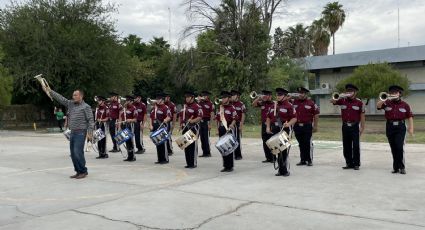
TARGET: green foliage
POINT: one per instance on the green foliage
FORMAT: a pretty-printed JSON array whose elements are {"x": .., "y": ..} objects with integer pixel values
[
  {"x": 72, "y": 43},
  {"x": 373, "y": 79},
  {"x": 286, "y": 73},
  {"x": 6, "y": 83}
]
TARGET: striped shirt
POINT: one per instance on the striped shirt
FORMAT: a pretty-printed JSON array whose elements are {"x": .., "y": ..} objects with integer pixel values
[{"x": 80, "y": 115}]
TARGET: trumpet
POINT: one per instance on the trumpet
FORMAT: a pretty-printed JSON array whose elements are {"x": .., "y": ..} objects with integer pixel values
[
  {"x": 217, "y": 101},
  {"x": 96, "y": 99},
  {"x": 44, "y": 84},
  {"x": 383, "y": 96},
  {"x": 199, "y": 98},
  {"x": 254, "y": 95},
  {"x": 336, "y": 95},
  {"x": 293, "y": 95},
  {"x": 150, "y": 101}
]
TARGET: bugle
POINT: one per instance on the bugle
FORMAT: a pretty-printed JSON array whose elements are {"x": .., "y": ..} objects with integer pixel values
[
  {"x": 44, "y": 84},
  {"x": 254, "y": 95},
  {"x": 383, "y": 96},
  {"x": 217, "y": 101},
  {"x": 336, "y": 95},
  {"x": 293, "y": 95},
  {"x": 151, "y": 102}
]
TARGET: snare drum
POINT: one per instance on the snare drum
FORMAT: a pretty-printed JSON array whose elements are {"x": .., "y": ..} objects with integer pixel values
[
  {"x": 278, "y": 142},
  {"x": 123, "y": 136},
  {"x": 159, "y": 136},
  {"x": 98, "y": 135},
  {"x": 227, "y": 144},
  {"x": 67, "y": 134},
  {"x": 187, "y": 139}
]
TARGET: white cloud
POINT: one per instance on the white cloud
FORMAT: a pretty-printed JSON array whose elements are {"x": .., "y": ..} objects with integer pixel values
[{"x": 369, "y": 24}]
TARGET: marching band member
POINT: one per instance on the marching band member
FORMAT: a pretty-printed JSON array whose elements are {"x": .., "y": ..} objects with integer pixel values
[
  {"x": 353, "y": 123},
  {"x": 265, "y": 103},
  {"x": 141, "y": 119},
  {"x": 205, "y": 126},
  {"x": 172, "y": 123},
  {"x": 160, "y": 116},
  {"x": 241, "y": 111},
  {"x": 127, "y": 120},
  {"x": 307, "y": 121},
  {"x": 115, "y": 109},
  {"x": 190, "y": 117},
  {"x": 226, "y": 115},
  {"x": 396, "y": 112},
  {"x": 281, "y": 116},
  {"x": 101, "y": 119}
]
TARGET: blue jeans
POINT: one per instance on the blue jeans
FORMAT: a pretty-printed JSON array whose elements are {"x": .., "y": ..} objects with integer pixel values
[{"x": 76, "y": 145}]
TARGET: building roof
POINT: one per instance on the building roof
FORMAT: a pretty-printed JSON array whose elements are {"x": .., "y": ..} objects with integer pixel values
[{"x": 395, "y": 55}]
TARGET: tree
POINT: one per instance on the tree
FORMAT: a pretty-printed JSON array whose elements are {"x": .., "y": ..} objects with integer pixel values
[
  {"x": 296, "y": 41},
  {"x": 6, "y": 83},
  {"x": 233, "y": 51},
  {"x": 320, "y": 37},
  {"x": 285, "y": 72},
  {"x": 373, "y": 79},
  {"x": 72, "y": 43},
  {"x": 204, "y": 13},
  {"x": 333, "y": 16}
]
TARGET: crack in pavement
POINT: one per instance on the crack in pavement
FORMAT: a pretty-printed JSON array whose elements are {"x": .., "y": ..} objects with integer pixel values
[
  {"x": 140, "y": 226},
  {"x": 304, "y": 209},
  {"x": 223, "y": 214},
  {"x": 20, "y": 210}
]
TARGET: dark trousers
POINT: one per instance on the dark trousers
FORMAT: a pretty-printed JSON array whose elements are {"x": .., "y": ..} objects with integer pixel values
[
  {"x": 60, "y": 124},
  {"x": 351, "y": 144},
  {"x": 129, "y": 143},
  {"x": 238, "y": 134},
  {"x": 169, "y": 142},
  {"x": 304, "y": 135},
  {"x": 112, "y": 127},
  {"x": 265, "y": 136},
  {"x": 101, "y": 145},
  {"x": 204, "y": 134},
  {"x": 283, "y": 157},
  {"x": 76, "y": 145},
  {"x": 396, "y": 135},
  {"x": 191, "y": 151},
  {"x": 138, "y": 135},
  {"x": 161, "y": 150},
  {"x": 227, "y": 160}
]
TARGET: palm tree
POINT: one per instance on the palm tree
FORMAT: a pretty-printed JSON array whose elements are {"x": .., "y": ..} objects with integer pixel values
[
  {"x": 320, "y": 37},
  {"x": 296, "y": 41},
  {"x": 334, "y": 17}
]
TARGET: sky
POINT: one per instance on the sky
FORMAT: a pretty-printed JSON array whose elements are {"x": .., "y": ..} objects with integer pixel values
[{"x": 369, "y": 24}]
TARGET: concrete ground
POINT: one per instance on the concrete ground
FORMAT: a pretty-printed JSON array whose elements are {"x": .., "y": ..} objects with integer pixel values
[{"x": 37, "y": 193}]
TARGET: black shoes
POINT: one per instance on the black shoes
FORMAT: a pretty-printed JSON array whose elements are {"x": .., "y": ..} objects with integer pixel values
[
  {"x": 305, "y": 163},
  {"x": 347, "y": 167},
  {"x": 130, "y": 159},
  {"x": 102, "y": 156},
  {"x": 402, "y": 171},
  {"x": 226, "y": 170},
  {"x": 267, "y": 161},
  {"x": 190, "y": 167},
  {"x": 140, "y": 151},
  {"x": 170, "y": 153},
  {"x": 205, "y": 155},
  {"x": 114, "y": 151},
  {"x": 285, "y": 174},
  {"x": 238, "y": 158},
  {"x": 356, "y": 168}
]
